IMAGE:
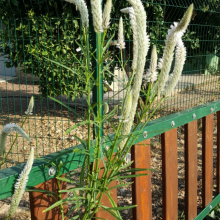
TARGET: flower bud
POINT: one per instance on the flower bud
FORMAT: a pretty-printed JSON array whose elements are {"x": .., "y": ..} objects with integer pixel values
[
  {"x": 184, "y": 22},
  {"x": 121, "y": 43},
  {"x": 96, "y": 15},
  {"x": 30, "y": 107},
  {"x": 106, "y": 108},
  {"x": 106, "y": 14},
  {"x": 151, "y": 75}
]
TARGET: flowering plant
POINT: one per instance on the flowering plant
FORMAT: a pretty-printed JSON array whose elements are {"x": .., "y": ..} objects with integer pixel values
[
  {"x": 7, "y": 129},
  {"x": 20, "y": 184},
  {"x": 94, "y": 180}
]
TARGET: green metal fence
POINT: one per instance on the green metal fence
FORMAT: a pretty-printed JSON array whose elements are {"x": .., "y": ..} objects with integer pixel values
[{"x": 34, "y": 29}]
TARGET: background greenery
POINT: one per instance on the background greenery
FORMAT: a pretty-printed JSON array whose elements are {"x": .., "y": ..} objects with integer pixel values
[{"x": 34, "y": 29}]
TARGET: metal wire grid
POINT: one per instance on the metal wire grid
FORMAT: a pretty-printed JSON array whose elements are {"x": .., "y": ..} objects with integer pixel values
[{"x": 47, "y": 125}]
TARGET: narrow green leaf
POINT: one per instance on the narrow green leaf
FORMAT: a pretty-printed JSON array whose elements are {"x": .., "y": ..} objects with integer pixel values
[
  {"x": 107, "y": 44},
  {"x": 76, "y": 126},
  {"x": 111, "y": 212},
  {"x": 132, "y": 170},
  {"x": 105, "y": 57},
  {"x": 126, "y": 165},
  {"x": 41, "y": 190},
  {"x": 62, "y": 201},
  {"x": 71, "y": 70},
  {"x": 113, "y": 205},
  {"x": 66, "y": 180},
  {"x": 81, "y": 177},
  {"x": 130, "y": 176},
  {"x": 120, "y": 185},
  {"x": 74, "y": 189},
  {"x": 73, "y": 218},
  {"x": 121, "y": 208},
  {"x": 111, "y": 114},
  {"x": 56, "y": 100},
  {"x": 81, "y": 141}
]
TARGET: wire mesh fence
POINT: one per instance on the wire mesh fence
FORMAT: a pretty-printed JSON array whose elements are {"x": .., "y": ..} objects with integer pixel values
[{"x": 33, "y": 30}]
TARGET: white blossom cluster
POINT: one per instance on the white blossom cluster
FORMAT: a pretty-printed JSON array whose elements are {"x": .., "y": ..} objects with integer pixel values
[
  {"x": 173, "y": 38},
  {"x": 151, "y": 75},
  {"x": 132, "y": 16},
  {"x": 81, "y": 5},
  {"x": 121, "y": 43},
  {"x": 143, "y": 46},
  {"x": 97, "y": 15},
  {"x": 180, "y": 58},
  {"x": 125, "y": 117},
  {"x": 20, "y": 184},
  {"x": 175, "y": 33},
  {"x": 106, "y": 14}
]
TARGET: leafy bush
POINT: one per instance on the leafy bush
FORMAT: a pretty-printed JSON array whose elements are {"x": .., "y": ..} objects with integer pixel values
[{"x": 37, "y": 29}]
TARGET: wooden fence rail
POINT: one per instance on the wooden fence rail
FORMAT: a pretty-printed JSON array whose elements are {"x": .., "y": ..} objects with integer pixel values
[{"x": 141, "y": 155}]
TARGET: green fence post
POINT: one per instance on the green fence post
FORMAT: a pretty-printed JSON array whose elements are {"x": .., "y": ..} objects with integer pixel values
[{"x": 95, "y": 93}]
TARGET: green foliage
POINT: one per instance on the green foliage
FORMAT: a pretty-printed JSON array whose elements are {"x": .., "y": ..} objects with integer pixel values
[
  {"x": 37, "y": 35},
  {"x": 33, "y": 30}
]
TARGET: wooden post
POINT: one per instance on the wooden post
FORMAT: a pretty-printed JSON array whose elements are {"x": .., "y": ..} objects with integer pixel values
[
  {"x": 141, "y": 188},
  {"x": 218, "y": 152},
  {"x": 40, "y": 201},
  {"x": 207, "y": 159},
  {"x": 169, "y": 174},
  {"x": 191, "y": 170}
]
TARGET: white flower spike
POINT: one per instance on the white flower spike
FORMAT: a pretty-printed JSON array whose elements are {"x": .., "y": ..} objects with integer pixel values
[
  {"x": 143, "y": 46},
  {"x": 81, "y": 5},
  {"x": 20, "y": 185},
  {"x": 121, "y": 43},
  {"x": 97, "y": 15},
  {"x": 180, "y": 58},
  {"x": 106, "y": 14},
  {"x": 30, "y": 107},
  {"x": 125, "y": 117},
  {"x": 175, "y": 33},
  {"x": 7, "y": 129},
  {"x": 152, "y": 74},
  {"x": 132, "y": 16}
]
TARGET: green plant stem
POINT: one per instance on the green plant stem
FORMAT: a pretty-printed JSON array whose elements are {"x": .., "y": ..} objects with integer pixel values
[
  {"x": 86, "y": 36},
  {"x": 95, "y": 166},
  {"x": 4, "y": 159},
  {"x": 109, "y": 162},
  {"x": 99, "y": 117},
  {"x": 59, "y": 195}
]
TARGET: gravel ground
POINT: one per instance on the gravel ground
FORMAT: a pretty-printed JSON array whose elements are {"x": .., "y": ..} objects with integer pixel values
[{"x": 48, "y": 136}]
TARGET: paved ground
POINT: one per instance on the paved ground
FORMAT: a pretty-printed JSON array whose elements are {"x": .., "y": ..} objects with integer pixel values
[{"x": 6, "y": 78}]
